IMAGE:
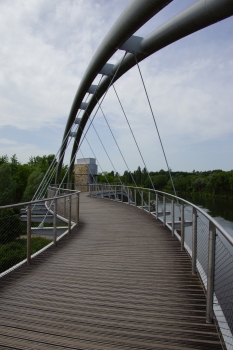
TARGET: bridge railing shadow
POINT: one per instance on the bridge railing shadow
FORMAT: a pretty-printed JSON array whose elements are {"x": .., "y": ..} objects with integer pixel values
[
  {"x": 27, "y": 229},
  {"x": 208, "y": 244}
]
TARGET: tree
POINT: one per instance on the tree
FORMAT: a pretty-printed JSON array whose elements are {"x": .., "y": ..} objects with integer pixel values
[
  {"x": 34, "y": 181},
  {"x": 4, "y": 159},
  {"x": 7, "y": 185},
  {"x": 10, "y": 227}
]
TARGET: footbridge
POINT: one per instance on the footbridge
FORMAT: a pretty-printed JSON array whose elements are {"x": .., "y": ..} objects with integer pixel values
[{"x": 117, "y": 266}]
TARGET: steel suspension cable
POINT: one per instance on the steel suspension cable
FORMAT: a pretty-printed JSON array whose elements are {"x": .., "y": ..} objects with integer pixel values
[
  {"x": 98, "y": 163},
  {"x": 111, "y": 82},
  {"x": 133, "y": 137},
  {"x": 156, "y": 126},
  {"x": 44, "y": 182},
  {"x": 98, "y": 108},
  {"x": 117, "y": 145},
  {"x": 87, "y": 164},
  {"x": 96, "y": 159},
  {"x": 106, "y": 153}
]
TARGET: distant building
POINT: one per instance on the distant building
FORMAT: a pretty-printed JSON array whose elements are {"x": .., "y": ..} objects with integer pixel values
[{"x": 85, "y": 173}]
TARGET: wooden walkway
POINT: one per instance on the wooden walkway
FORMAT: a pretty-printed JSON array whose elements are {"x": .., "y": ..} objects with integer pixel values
[{"x": 119, "y": 281}]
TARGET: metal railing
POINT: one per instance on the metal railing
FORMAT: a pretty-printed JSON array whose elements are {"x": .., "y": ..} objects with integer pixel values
[
  {"x": 20, "y": 236},
  {"x": 209, "y": 245}
]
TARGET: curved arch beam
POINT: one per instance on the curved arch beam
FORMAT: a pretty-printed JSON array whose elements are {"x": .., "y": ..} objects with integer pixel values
[
  {"x": 132, "y": 18},
  {"x": 196, "y": 17}
]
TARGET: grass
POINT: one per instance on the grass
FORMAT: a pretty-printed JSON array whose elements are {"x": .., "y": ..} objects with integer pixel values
[{"x": 13, "y": 252}]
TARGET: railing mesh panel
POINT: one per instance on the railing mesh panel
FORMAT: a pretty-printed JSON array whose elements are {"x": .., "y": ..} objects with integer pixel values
[{"x": 223, "y": 287}]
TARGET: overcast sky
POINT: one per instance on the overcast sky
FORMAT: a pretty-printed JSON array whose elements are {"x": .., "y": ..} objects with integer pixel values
[{"x": 46, "y": 47}]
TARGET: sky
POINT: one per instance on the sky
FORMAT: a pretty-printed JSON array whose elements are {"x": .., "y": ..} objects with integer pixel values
[{"x": 46, "y": 47}]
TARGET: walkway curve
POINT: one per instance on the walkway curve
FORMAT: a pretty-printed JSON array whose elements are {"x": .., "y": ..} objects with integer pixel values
[{"x": 118, "y": 281}]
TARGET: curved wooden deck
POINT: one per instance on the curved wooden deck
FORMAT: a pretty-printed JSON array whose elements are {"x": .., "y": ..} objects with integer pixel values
[{"x": 119, "y": 281}]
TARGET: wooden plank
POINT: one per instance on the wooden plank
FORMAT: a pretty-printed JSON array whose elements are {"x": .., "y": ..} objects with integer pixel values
[{"x": 119, "y": 280}]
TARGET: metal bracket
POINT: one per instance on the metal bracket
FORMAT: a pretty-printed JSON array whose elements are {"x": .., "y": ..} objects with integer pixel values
[
  {"x": 92, "y": 89},
  {"x": 133, "y": 44},
  {"x": 83, "y": 106},
  {"x": 77, "y": 121},
  {"x": 107, "y": 69}
]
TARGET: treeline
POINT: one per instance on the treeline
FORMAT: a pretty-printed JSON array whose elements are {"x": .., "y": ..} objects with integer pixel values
[
  {"x": 19, "y": 182},
  {"x": 212, "y": 183}
]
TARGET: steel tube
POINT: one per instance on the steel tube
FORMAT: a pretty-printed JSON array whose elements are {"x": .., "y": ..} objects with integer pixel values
[
  {"x": 77, "y": 209},
  {"x": 198, "y": 16},
  {"x": 149, "y": 201},
  {"x": 156, "y": 206},
  {"x": 69, "y": 216},
  {"x": 182, "y": 227},
  {"x": 64, "y": 207},
  {"x": 210, "y": 273},
  {"x": 164, "y": 211},
  {"x": 132, "y": 18},
  {"x": 29, "y": 215},
  {"x": 194, "y": 242},
  {"x": 55, "y": 222},
  {"x": 173, "y": 216}
]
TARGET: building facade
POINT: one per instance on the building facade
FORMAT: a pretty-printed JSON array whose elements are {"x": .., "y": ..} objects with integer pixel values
[{"x": 85, "y": 173}]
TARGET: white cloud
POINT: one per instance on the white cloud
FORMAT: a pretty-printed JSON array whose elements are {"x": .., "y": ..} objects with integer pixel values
[
  {"x": 7, "y": 142},
  {"x": 46, "y": 47}
]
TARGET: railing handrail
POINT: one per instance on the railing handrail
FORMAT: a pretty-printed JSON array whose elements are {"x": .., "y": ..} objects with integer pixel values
[
  {"x": 228, "y": 237},
  {"x": 37, "y": 201}
]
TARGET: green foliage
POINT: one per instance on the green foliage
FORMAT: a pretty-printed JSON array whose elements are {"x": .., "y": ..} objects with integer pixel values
[
  {"x": 34, "y": 181},
  {"x": 4, "y": 159},
  {"x": 207, "y": 183},
  {"x": 10, "y": 227},
  {"x": 109, "y": 177},
  {"x": 16, "y": 251},
  {"x": 15, "y": 185},
  {"x": 7, "y": 185}
]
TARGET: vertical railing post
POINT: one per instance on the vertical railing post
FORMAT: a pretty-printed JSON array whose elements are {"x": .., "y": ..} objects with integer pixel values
[
  {"x": 121, "y": 193},
  {"x": 77, "y": 209},
  {"x": 164, "y": 211},
  {"x": 210, "y": 273},
  {"x": 173, "y": 216},
  {"x": 135, "y": 197},
  {"x": 149, "y": 201},
  {"x": 109, "y": 192},
  {"x": 194, "y": 242},
  {"x": 115, "y": 192},
  {"x": 64, "y": 206},
  {"x": 157, "y": 206},
  {"x": 55, "y": 222},
  {"x": 142, "y": 199},
  {"x": 128, "y": 194},
  {"x": 29, "y": 228},
  {"x": 182, "y": 227},
  {"x": 69, "y": 215}
]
